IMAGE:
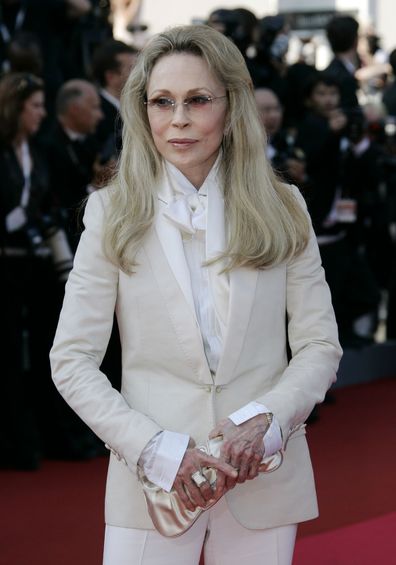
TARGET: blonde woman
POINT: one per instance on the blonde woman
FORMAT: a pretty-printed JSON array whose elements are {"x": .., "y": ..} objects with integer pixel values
[{"x": 211, "y": 265}]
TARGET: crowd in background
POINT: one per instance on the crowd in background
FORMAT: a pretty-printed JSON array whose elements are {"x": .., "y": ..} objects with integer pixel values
[{"x": 330, "y": 132}]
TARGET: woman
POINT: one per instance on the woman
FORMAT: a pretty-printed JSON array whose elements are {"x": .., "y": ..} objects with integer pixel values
[
  {"x": 34, "y": 258},
  {"x": 27, "y": 271},
  {"x": 203, "y": 253}
]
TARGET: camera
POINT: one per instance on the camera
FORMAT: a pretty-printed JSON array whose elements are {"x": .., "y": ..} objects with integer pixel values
[{"x": 356, "y": 124}]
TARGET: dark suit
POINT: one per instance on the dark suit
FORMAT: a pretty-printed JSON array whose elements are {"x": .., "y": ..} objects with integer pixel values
[
  {"x": 353, "y": 289},
  {"x": 109, "y": 130},
  {"x": 347, "y": 83},
  {"x": 71, "y": 170},
  {"x": 363, "y": 176},
  {"x": 322, "y": 153},
  {"x": 34, "y": 420},
  {"x": 27, "y": 312},
  {"x": 11, "y": 186}
]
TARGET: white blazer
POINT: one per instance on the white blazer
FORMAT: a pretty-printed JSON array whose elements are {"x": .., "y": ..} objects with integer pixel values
[{"x": 166, "y": 381}]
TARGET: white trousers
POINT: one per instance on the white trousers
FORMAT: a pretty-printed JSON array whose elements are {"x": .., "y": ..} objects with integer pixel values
[{"x": 225, "y": 542}]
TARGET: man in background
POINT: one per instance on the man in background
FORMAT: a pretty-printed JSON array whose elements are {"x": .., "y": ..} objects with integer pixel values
[
  {"x": 74, "y": 150},
  {"x": 343, "y": 33},
  {"x": 112, "y": 62}
]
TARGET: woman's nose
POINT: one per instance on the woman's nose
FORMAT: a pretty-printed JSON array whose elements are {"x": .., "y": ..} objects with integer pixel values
[{"x": 180, "y": 115}]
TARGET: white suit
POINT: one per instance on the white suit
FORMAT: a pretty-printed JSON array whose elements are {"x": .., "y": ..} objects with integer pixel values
[{"x": 166, "y": 381}]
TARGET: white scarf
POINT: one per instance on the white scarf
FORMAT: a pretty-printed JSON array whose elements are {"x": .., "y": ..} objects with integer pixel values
[{"x": 191, "y": 210}]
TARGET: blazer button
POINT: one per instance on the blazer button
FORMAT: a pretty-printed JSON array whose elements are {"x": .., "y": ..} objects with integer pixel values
[
  {"x": 218, "y": 388},
  {"x": 208, "y": 388}
]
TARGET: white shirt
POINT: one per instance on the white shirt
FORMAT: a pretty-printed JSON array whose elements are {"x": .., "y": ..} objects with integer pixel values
[
  {"x": 110, "y": 98},
  {"x": 162, "y": 456}
]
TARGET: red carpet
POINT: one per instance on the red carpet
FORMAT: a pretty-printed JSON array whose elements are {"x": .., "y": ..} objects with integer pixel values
[
  {"x": 368, "y": 543},
  {"x": 353, "y": 448},
  {"x": 55, "y": 516}
]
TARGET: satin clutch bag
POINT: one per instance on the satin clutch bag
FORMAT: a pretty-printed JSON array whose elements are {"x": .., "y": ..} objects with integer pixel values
[{"x": 169, "y": 515}]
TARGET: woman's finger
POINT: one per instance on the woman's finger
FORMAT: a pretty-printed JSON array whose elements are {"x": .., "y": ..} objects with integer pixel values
[
  {"x": 254, "y": 466},
  {"x": 220, "y": 485},
  {"x": 230, "y": 483},
  {"x": 195, "y": 494},
  {"x": 179, "y": 488},
  {"x": 207, "y": 491},
  {"x": 220, "y": 465},
  {"x": 217, "y": 431},
  {"x": 243, "y": 471}
]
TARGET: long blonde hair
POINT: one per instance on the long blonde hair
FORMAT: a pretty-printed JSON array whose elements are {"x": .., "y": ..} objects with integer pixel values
[{"x": 266, "y": 225}]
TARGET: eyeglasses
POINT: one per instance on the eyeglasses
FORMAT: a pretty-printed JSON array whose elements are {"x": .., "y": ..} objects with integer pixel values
[{"x": 194, "y": 104}]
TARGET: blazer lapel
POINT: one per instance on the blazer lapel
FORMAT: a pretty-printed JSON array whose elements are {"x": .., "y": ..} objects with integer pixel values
[
  {"x": 233, "y": 293},
  {"x": 164, "y": 249},
  {"x": 243, "y": 284},
  {"x": 215, "y": 245},
  {"x": 172, "y": 244}
]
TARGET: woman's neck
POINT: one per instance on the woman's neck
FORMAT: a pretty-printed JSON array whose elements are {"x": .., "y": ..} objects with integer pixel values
[{"x": 19, "y": 140}]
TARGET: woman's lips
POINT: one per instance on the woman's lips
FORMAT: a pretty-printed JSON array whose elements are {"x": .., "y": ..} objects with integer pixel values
[{"x": 182, "y": 143}]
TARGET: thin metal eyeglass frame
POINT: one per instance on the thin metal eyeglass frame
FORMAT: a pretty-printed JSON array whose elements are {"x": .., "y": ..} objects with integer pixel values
[{"x": 185, "y": 103}]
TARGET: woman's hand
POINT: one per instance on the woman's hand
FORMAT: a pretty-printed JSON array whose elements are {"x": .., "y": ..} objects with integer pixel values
[
  {"x": 243, "y": 448},
  {"x": 194, "y": 460}
]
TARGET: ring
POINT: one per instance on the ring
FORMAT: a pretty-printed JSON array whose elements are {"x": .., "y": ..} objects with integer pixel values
[{"x": 198, "y": 478}]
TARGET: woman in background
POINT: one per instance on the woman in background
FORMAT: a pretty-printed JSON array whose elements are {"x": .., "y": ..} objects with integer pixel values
[
  {"x": 28, "y": 279},
  {"x": 35, "y": 259}
]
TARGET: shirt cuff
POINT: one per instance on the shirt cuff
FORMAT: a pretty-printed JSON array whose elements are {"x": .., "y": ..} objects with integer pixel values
[
  {"x": 162, "y": 456},
  {"x": 273, "y": 436}
]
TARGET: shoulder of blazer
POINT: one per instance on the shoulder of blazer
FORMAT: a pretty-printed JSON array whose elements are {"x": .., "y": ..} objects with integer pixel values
[
  {"x": 96, "y": 204},
  {"x": 298, "y": 196}
]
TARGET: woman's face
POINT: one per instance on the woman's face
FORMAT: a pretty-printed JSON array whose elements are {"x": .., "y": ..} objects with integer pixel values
[
  {"x": 32, "y": 114},
  {"x": 324, "y": 99},
  {"x": 187, "y": 137},
  {"x": 270, "y": 110}
]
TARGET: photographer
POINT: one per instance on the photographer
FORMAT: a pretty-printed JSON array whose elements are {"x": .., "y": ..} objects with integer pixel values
[
  {"x": 268, "y": 67},
  {"x": 343, "y": 34},
  {"x": 319, "y": 134},
  {"x": 285, "y": 156},
  {"x": 334, "y": 146},
  {"x": 28, "y": 288},
  {"x": 388, "y": 167},
  {"x": 366, "y": 174}
]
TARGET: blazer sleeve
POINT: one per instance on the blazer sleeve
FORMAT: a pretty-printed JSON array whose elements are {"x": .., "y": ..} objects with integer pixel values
[
  {"x": 81, "y": 340},
  {"x": 313, "y": 340}
]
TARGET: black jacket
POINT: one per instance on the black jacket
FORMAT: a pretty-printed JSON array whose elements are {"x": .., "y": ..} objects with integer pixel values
[
  {"x": 71, "y": 167},
  {"x": 40, "y": 205}
]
